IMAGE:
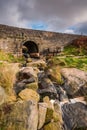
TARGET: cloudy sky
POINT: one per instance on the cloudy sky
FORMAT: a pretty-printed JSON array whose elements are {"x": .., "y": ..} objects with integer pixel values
[{"x": 68, "y": 16}]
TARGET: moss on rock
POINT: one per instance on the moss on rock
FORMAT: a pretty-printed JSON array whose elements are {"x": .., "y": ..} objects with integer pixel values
[
  {"x": 52, "y": 126},
  {"x": 29, "y": 94},
  {"x": 55, "y": 75},
  {"x": 33, "y": 86},
  {"x": 49, "y": 115}
]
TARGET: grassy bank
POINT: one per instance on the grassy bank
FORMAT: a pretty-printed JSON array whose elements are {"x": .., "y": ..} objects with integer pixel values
[
  {"x": 9, "y": 57},
  {"x": 68, "y": 61}
]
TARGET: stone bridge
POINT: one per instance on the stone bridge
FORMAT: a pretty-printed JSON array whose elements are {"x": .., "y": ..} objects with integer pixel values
[{"x": 14, "y": 40}]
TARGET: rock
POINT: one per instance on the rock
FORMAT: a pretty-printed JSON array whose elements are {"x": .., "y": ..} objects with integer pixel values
[
  {"x": 29, "y": 94},
  {"x": 27, "y": 73},
  {"x": 48, "y": 102},
  {"x": 25, "y": 76},
  {"x": 18, "y": 87},
  {"x": 21, "y": 86},
  {"x": 33, "y": 86},
  {"x": 27, "y": 81},
  {"x": 42, "y": 114},
  {"x": 58, "y": 113},
  {"x": 41, "y": 75},
  {"x": 54, "y": 118},
  {"x": 52, "y": 126},
  {"x": 3, "y": 95},
  {"x": 75, "y": 81},
  {"x": 46, "y": 88},
  {"x": 33, "y": 118},
  {"x": 29, "y": 60},
  {"x": 38, "y": 63},
  {"x": 74, "y": 115},
  {"x": 19, "y": 116},
  {"x": 62, "y": 96},
  {"x": 49, "y": 115}
]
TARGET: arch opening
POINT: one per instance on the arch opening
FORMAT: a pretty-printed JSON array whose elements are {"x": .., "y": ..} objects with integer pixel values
[{"x": 30, "y": 48}]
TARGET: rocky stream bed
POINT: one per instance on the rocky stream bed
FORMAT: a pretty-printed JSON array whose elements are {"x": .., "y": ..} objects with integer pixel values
[{"x": 45, "y": 99}]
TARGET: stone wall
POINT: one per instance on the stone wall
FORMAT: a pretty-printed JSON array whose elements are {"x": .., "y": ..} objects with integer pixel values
[{"x": 12, "y": 39}]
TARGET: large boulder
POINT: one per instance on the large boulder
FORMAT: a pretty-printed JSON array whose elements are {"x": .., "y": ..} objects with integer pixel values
[
  {"x": 74, "y": 115},
  {"x": 29, "y": 94},
  {"x": 75, "y": 81},
  {"x": 19, "y": 116}
]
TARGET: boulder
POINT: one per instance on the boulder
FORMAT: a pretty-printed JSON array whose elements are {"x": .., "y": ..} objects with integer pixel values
[
  {"x": 74, "y": 115},
  {"x": 27, "y": 73},
  {"x": 75, "y": 81},
  {"x": 29, "y": 94},
  {"x": 19, "y": 116}
]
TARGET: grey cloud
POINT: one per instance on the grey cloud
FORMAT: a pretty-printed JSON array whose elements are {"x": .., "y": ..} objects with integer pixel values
[
  {"x": 57, "y": 14},
  {"x": 81, "y": 28}
]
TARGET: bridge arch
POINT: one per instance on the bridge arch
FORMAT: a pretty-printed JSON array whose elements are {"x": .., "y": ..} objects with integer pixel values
[{"x": 30, "y": 48}]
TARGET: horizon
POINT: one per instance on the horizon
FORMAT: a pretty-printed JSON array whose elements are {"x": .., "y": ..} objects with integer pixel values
[{"x": 26, "y": 28}]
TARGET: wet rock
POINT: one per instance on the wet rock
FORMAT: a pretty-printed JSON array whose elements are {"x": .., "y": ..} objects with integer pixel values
[
  {"x": 46, "y": 88},
  {"x": 19, "y": 87},
  {"x": 41, "y": 75},
  {"x": 62, "y": 96},
  {"x": 74, "y": 115}
]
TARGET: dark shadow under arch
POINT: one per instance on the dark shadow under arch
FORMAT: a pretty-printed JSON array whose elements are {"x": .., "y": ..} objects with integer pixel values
[{"x": 30, "y": 48}]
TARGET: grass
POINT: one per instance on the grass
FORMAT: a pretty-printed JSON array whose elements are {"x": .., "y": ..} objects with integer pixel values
[
  {"x": 7, "y": 76},
  {"x": 70, "y": 50},
  {"x": 69, "y": 61},
  {"x": 9, "y": 57},
  {"x": 73, "y": 50}
]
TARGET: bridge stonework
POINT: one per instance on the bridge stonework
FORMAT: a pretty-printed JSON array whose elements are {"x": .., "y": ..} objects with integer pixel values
[{"x": 13, "y": 38}]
